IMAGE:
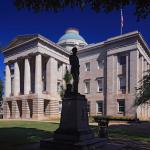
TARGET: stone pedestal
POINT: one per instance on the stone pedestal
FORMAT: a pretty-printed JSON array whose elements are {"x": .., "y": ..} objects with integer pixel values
[{"x": 74, "y": 132}]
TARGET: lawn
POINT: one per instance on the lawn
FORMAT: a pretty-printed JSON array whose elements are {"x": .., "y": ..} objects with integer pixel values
[
  {"x": 133, "y": 131},
  {"x": 14, "y": 133}
]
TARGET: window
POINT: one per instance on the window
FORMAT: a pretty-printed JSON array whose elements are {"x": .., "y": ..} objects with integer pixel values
[
  {"x": 122, "y": 60},
  {"x": 88, "y": 107},
  {"x": 100, "y": 84},
  {"x": 99, "y": 106},
  {"x": 87, "y": 66},
  {"x": 121, "y": 105},
  {"x": 58, "y": 87},
  {"x": 59, "y": 64},
  {"x": 122, "y": 83},
  {"x": 100, "y": 64},
  {"x": 87, "y": 86}
]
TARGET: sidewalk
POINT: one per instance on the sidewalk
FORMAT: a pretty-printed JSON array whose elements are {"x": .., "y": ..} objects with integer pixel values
[{"x": 36, "y": 146}]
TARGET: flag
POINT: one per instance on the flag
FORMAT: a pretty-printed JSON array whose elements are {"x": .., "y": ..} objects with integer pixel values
[{"x": 121, "y": 20}]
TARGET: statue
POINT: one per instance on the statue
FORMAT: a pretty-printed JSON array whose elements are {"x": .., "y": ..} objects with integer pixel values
[{"x": 74, "y": 62}]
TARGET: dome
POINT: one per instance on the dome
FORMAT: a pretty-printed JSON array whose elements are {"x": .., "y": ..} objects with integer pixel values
[
  {"x": 71, "y": 38},
  {"x": 72, "y": 33}
]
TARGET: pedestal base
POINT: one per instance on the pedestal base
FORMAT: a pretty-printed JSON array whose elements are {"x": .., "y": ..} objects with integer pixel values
[
  {"x": 92, "y": 144},
  {"x": 74, "y": 132}
]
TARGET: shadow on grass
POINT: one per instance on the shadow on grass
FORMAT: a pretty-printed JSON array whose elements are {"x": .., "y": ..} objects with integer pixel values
[
  {"x": 131, "y": 131},
  {"x": 12, "y": 137}
]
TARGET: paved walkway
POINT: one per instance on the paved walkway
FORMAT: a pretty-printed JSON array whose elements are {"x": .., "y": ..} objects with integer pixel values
[
  {"x": 113, "y": 144},
  {"x": 36, "y": 146}
]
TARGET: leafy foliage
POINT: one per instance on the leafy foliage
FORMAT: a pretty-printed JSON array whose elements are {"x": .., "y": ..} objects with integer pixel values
[
  {"x": 67, "y": 78},
  {"x": 1, "y": 89},
  {"x": 143, "y": 91},
  {"x": 62, "y": 91},
  {"x": 142, "y": 7},
  {"x": 113, "y": 118}
]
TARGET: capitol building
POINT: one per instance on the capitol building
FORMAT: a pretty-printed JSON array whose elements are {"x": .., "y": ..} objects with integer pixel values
[{"x": 109, "y": 72}]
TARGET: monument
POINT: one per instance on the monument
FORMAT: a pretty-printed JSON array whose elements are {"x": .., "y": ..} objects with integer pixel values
[{"x": 74, "y": 132}]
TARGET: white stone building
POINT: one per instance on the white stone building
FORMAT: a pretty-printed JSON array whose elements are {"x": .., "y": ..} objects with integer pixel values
[{"x": 109, "y": 72}]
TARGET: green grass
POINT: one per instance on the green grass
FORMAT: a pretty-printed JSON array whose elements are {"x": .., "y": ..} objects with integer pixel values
[
  {"x": 124, "y": 135},
  {"x": 14, "y": 133},
  {"x": 135, "y": 132}
]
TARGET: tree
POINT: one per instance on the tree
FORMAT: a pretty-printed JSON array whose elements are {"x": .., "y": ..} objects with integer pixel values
[
  {"x": 1, "y": 89},
  {"x": 67, "y": 78},
  {"x": 143, "y": 91},
  {"x": 141, "y": 7}
]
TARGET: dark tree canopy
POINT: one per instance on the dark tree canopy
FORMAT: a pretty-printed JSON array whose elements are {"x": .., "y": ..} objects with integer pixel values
[
  {"x": 141, "y": 7},
  {"x": 143, "y": 91}
]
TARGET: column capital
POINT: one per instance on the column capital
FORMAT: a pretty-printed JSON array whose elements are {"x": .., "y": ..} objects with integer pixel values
[{"x": 37, "y": 53}]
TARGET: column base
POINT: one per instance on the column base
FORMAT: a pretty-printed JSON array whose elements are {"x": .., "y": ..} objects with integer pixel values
[
  {"x": 26, "y": 116},
  {"x": 38, "y": 116}
]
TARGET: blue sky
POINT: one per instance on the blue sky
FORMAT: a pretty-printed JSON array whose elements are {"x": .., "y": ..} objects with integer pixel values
[{"x": 94, "y": 27}]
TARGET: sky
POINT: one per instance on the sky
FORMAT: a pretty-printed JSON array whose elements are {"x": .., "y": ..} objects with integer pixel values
[{"x": 94, "y": 27}]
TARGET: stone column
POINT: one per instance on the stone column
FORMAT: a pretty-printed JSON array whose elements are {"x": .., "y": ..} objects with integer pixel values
[
  {"x": 127, "y": 73},
  {"x": 142, "y": 67},
  {"x": 38, "y": 74},
  {"x": 134, "y": 64},
  {"x": 115, "y": 74},
  {"x": 25, "y": 109},
  {"x": 27, "y": 77},
  {"x": 16, "y": 79},
  {"x": 51, "y": 76},
  {"x": 63, "y": 73},
  {"x": 145, "y": 67},
  {"x": 134, "y": 78},
  {"x": 7, "y": 81},
  {"x": 112, "y": 84}
]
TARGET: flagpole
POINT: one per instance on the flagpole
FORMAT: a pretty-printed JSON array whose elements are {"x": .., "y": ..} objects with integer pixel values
[{"x": 121, "y": 31}]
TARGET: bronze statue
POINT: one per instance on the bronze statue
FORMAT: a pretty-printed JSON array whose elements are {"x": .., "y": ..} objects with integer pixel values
[{"x": 74, "y": 62}]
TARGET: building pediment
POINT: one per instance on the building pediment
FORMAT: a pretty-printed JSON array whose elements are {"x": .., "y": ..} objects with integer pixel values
[
  {"x": 22, "y": 40},
  {"x": 19, "y": 40}
]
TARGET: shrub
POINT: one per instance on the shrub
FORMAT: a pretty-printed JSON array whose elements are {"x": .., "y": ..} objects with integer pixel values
[{"x": 114, "y": 118}]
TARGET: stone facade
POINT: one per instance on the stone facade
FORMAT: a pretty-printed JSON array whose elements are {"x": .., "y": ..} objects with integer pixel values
[
  {"x": 121, "y": 67},
  {"x": 109, "y": 73}
]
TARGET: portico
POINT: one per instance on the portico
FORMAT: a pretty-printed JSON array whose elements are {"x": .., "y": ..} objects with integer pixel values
[{"x": 31, "y": 84}]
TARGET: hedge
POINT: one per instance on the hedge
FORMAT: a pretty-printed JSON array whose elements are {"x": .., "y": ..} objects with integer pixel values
[{"x": 114, "y": 118}]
